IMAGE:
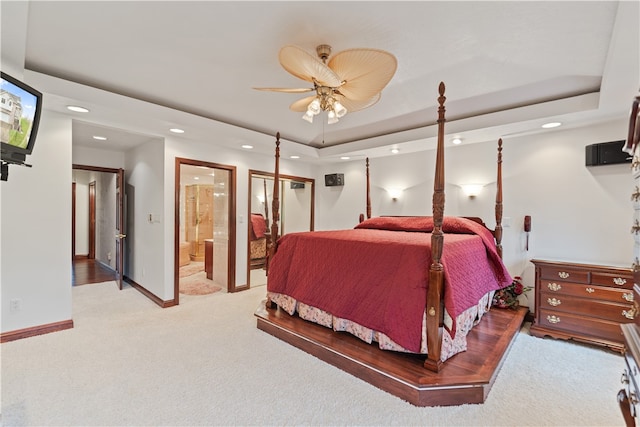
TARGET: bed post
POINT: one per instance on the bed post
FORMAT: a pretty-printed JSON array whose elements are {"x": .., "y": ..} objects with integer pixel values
[
  {"x": 266, "y": 204},
  {"x": 368, "y": 195},
  {"x": 275, "y": 204},
  {"x": 435, "y": 308},
  {"x": 498, "y": 231}
]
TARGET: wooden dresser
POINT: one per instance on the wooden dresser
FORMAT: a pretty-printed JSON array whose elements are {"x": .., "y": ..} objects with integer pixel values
[
  {"x": 583, "y": 302},
  {"x": 629, "y": 395}
]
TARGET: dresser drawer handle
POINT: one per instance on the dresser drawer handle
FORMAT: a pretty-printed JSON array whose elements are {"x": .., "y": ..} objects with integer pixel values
[
  {"x": 625, "y": 378},
  {"x": 554, "y": 302},
  {"x": 635, "y": 196},
  {"x": 636, "y": 227},
  {"x": 553, "y": 319},
  {"x": 565, "y": 275},
  {"x": 628, "y": 296},
  {"x": 619, "y": 281},
  {"x": 553, "y": 286},
  {"x": 590, "y": 290},
  {"x": 631, "y": 314}
]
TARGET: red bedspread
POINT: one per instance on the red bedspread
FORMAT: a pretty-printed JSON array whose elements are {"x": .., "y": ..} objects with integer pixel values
[
  {"x": 379, "y": 277},
  {"x": 258, "y": 226}
]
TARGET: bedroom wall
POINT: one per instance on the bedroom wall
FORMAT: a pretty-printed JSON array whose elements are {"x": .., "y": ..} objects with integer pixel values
[
  {"x": 578, "y": 214},
  {"x": 243, "y": 161},
  {"x": 35, "y": 268}
]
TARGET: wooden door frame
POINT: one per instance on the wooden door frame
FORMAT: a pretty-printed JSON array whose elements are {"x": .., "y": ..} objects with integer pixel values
[
  {"x": 92, "y": 220},
  {"x": 231, "y": 259}
]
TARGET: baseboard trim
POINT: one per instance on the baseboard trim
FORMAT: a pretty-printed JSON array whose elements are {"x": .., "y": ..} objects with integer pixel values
[
  {"x": 36, "y": 330},
  {"x": 162, "y": 303}
]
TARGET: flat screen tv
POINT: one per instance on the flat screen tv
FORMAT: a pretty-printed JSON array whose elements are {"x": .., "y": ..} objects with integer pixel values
[{"x": 20, "y": 107}]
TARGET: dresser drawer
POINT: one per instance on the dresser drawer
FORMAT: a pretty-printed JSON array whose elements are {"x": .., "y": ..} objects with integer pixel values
[
  {"x": 564, "y": 274},
  {"x": 586, "y": 291},
  {"x": 615, "y": 280},
  {"x": 600, "y": 328},
  {"x": 616, "y": 312}
]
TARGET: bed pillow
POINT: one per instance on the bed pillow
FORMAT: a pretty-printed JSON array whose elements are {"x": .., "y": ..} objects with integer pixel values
[{"x": 399, "y": 223}]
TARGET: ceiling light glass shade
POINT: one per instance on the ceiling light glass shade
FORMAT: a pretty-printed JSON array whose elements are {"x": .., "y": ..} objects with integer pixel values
[
  {"x": 308, "y": 117},
  {"x": 314, "y": 107},
  {"x": 339, "y": 109},
  {"x": 332, "y": 118}
]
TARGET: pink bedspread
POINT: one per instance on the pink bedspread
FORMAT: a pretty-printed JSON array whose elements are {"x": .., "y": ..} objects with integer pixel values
[{"x": 379, "y": 277}]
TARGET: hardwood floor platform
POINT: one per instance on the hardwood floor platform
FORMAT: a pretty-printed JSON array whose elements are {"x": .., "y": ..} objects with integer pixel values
[
  {"x": 86, "y": 271},
  {"x": 465, "y": 378}
]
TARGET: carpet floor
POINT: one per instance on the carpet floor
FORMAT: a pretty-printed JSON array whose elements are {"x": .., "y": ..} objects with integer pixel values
[{"x": 128, "y": 362}]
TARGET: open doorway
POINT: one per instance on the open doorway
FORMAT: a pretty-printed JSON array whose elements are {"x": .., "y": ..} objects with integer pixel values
[
  {"x": 204, "y": 228},
  {"x": 97, "y": 231}
]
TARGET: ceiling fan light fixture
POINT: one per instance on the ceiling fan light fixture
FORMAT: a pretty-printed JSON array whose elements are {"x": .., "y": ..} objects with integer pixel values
[
  {"x": 314, "y": 107},
  {"x": 332, "y": 117},
  {"x": 339, "y": 109},
  {"x": 308, "y": 116}
]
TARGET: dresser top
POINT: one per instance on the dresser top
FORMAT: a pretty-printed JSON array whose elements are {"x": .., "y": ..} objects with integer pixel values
[{"x": 581, "y": 265}]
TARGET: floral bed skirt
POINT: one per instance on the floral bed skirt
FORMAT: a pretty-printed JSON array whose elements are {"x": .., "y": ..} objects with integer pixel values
[{"x": 450, "y": 346}]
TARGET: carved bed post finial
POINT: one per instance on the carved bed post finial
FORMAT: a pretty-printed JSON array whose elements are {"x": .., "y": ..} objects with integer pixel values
[
  {"x": 435, "y": 310},
  {"x": 368, "y": 192},
  {"x": 275, "y": 204},
  {"x": 498, "y": 231}
]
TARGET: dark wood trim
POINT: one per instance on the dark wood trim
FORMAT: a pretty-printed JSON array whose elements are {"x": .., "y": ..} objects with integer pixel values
[
  {"x": 92, "y": 220},
  {"x": 36, "y": 330},
  {"x": 465, "y": 378},
  {"x": 94, "y": 168},
  {"x": 81, "y": 256},
  {"x": 73, "y": 219},
  {"x": 144, "y": 291},
  {"x": 231, "y": 261}
]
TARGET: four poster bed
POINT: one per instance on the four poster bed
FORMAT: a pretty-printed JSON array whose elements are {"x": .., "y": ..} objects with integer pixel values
[{"x": 413, "y": 285}]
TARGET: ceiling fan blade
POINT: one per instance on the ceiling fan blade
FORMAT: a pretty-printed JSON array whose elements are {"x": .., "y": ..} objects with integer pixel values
[
  {"x": 365, "y": 71},
  {"x": 307, "y": 67},
  {"x": 302, "y": 104},
  {"x": 354, "y": 105},
  {"x": 284, "y": 89}
]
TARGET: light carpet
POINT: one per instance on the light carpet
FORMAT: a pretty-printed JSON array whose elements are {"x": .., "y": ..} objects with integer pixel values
[{"x": 204, "y": 362}]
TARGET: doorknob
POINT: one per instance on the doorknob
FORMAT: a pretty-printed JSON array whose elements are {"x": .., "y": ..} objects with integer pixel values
[{"x": 121, "y": 236}]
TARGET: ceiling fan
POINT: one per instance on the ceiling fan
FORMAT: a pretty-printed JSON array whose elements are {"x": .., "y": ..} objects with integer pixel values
[{"x": 350, "y": 81}]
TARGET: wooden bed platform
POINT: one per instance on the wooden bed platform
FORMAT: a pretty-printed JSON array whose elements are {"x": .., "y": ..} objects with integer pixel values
[{"x": 467, "y": 377}]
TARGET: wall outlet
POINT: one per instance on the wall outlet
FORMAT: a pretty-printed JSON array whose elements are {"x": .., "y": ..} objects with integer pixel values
[
  {"x": 15, "y": 305},
  {"x": 108, "y": 256}
]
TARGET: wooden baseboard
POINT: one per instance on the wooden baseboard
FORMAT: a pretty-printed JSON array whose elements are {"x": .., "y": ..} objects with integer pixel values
[
  {"x": 162, "y": 303},
  {"x": 35, "y": 330}
]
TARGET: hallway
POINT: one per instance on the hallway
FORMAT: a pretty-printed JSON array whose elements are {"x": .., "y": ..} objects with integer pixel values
[{"x": 87, "y": 271}]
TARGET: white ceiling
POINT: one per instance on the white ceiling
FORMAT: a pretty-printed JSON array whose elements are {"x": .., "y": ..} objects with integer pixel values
[{"x": 508, "y": 68}]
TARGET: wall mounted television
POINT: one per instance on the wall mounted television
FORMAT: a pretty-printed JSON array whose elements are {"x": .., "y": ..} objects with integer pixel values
[{"x": 20, "y": 107}]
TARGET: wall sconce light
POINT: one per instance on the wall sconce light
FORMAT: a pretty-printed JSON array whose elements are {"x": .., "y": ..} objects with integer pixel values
[
  {"x": 395, "y": 193},
  {"x": 471, "y": 190}
]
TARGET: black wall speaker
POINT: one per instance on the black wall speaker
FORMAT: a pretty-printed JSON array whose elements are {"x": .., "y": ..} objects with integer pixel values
[
  {"x": 334, "y": 179},
  {"x": 606, "y": 153}
]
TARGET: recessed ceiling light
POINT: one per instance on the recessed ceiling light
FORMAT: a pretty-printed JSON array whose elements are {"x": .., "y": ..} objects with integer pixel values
[
  {"x": 77, "y": 109},
  {"x": 247, "y": 146},
  {"x": 395, "y": 150},
  {"x": 294, "y": 157},
  {"x": 345, "y": 158},
  {"x": 100, "y": 138},
  {"x": 551, "y": 125},
  {"x": 196, "y": 177},
  {"x": 176, "y": 130},
  {"x": 457, "y": 141}
]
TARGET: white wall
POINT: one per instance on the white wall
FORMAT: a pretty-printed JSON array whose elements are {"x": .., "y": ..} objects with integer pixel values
[
  {"x": 36, "y": 231},
  {"x": 145, "y": 174},
  {"x": 578, "y": 214}
]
